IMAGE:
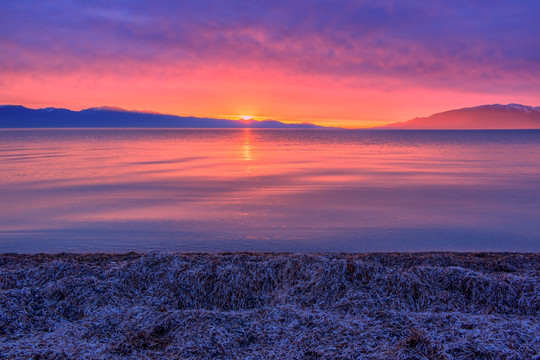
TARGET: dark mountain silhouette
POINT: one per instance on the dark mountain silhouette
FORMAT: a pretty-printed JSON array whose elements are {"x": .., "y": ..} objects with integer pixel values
[
  {"x": 17, "y": 116},
  {"x": 512, "y": 116}
]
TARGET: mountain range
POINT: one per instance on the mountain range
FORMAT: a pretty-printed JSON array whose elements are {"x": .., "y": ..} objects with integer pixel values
[
  {"x": 17, "y": 116},
  {"x": 511, "y": 116}
]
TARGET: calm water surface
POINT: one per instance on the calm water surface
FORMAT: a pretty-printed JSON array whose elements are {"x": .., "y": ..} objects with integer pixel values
[{"x": 269, "y": 190}]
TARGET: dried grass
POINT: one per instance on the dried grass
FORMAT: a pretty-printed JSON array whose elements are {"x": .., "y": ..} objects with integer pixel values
[{"x": 263, "y": 306}]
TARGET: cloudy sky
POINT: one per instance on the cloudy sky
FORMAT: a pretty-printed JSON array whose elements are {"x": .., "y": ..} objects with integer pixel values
[{"x": 347, "y": 63}]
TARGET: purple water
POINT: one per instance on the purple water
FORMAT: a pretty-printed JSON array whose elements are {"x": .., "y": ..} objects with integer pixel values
[{"x": 100, "y": 190}]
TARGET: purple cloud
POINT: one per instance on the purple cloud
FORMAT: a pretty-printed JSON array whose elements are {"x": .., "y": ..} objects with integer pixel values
[{"x": 473, "y": 45}]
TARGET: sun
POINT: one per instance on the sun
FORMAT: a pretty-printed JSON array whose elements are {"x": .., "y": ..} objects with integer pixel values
[{"x": 246, "y": 117}]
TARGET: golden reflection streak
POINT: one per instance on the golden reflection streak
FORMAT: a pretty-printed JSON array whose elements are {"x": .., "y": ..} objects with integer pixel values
[{"x": 246, "y": 146}]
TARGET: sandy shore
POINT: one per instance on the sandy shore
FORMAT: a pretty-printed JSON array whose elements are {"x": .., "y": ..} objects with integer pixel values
[{"x": 264, "y": 306}]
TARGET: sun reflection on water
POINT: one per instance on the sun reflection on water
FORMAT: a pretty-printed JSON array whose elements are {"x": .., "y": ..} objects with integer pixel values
[{"x": 247, "y": 147}]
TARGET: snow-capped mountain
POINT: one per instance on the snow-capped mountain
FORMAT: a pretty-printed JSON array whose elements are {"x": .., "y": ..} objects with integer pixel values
[{"x": 496, "y": 116}]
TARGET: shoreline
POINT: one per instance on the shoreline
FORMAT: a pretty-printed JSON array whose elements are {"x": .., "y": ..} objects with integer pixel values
[{"x": 434, "y": 305}]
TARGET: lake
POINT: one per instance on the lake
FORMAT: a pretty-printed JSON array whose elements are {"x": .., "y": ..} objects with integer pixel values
[{"x": 116, "y": 190}]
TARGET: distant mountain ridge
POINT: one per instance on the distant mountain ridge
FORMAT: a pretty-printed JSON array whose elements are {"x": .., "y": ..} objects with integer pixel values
[
  {"x": 496, "y": 116},
  {"x": 18, "y": 116}
]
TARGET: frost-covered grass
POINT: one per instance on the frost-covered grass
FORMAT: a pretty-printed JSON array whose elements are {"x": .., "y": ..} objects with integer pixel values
[{"x": 262, "y": 306}]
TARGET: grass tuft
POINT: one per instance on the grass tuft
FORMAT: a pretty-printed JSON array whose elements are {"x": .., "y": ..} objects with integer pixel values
[{"x": 259, "y": 306}]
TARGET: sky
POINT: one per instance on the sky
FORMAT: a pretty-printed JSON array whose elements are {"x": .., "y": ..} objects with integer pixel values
[{"x": 339, "y": 63}]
